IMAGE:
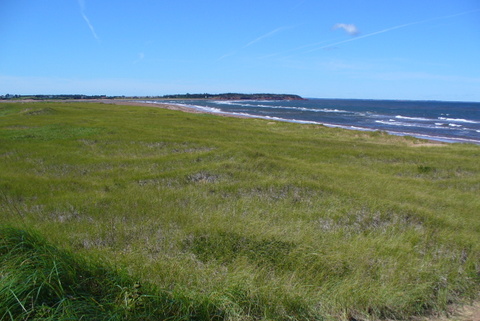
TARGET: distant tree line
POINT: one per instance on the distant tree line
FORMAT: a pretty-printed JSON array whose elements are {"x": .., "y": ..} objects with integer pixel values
[
  {"x": 227, "y": 96},
  {"x": 235, "y": 96},
  {"x": 52, "y": 97}
]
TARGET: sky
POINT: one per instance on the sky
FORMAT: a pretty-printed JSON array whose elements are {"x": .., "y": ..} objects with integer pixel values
[{"x": 363, "y": 49}]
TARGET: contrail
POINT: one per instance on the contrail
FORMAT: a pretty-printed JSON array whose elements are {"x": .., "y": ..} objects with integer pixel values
[
  {"x": 392, "y": 28},
  {"x": 269, "y": 34},
  {"x": 82, "y": 12},
  {"x": 227, "y": 55},
  {"x": 258, "y": 39},
  {"x": 365, "y": 36},
  {"x": 90, "y": 26}
]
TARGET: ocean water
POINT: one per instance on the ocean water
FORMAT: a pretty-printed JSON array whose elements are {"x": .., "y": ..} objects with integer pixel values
[{"x": 436, "y": 120}]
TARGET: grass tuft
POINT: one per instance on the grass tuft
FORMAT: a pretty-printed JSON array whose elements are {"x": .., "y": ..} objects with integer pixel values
[{"x": 227, "y": 247}]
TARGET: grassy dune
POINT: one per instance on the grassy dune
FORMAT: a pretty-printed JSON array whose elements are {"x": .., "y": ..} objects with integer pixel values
[{"x": 230, "y": 219}]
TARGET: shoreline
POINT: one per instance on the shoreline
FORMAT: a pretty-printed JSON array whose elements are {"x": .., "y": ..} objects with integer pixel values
[
  {"x": 130, "y": 103},
  {"x": 156, "y": 104},
  {"x": 183, "y": 108},
  {"x": 192, "y": 110}
]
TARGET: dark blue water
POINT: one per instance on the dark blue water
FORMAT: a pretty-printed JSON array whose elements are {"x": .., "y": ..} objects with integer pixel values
[{"x": 437, "y": 120}]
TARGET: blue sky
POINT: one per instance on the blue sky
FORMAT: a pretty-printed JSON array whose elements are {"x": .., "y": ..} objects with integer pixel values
[{"x": 369, "y": 49}]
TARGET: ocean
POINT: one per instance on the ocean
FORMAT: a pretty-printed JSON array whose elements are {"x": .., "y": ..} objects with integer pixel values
[{"x": 454, "y": 122}]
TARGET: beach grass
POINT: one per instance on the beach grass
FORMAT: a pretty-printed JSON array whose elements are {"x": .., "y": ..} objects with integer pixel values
[{"x": 229, "y": 218}]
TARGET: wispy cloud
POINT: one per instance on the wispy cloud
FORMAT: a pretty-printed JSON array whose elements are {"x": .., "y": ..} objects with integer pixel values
[
  {"x": 351, "y": 29},
  {"x": 81, "y": 3},
  {"x": 391, "y": 29}
]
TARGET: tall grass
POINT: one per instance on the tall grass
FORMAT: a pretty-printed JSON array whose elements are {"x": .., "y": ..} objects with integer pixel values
[
  {"x": 40, "y": 282},
  {"x": 244, "y": 219}
]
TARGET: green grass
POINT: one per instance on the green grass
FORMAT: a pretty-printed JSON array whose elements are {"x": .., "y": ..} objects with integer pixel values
[
  {"x": 231, "y": 219},
  {"x": 41, "y": 282}
]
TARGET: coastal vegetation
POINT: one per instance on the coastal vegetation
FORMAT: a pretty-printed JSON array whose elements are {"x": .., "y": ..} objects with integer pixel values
[{"x": 111, "y": 212}]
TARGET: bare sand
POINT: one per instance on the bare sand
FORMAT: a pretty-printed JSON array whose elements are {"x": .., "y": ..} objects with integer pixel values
[
  {"x": 458, "y": 313},
  {"x": 164, "y": 106}
]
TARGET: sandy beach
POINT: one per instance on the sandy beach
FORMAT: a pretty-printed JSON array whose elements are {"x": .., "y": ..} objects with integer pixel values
[
  {"x": 158, "y": 105},
  {"x": 162, "y": 105}
]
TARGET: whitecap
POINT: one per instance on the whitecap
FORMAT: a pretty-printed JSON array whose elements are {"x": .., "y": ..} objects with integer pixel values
[
  {"x": 397, "y": 123},
  {"x": 412, "y": 118},
  {"x": 460, "y": 120}
]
